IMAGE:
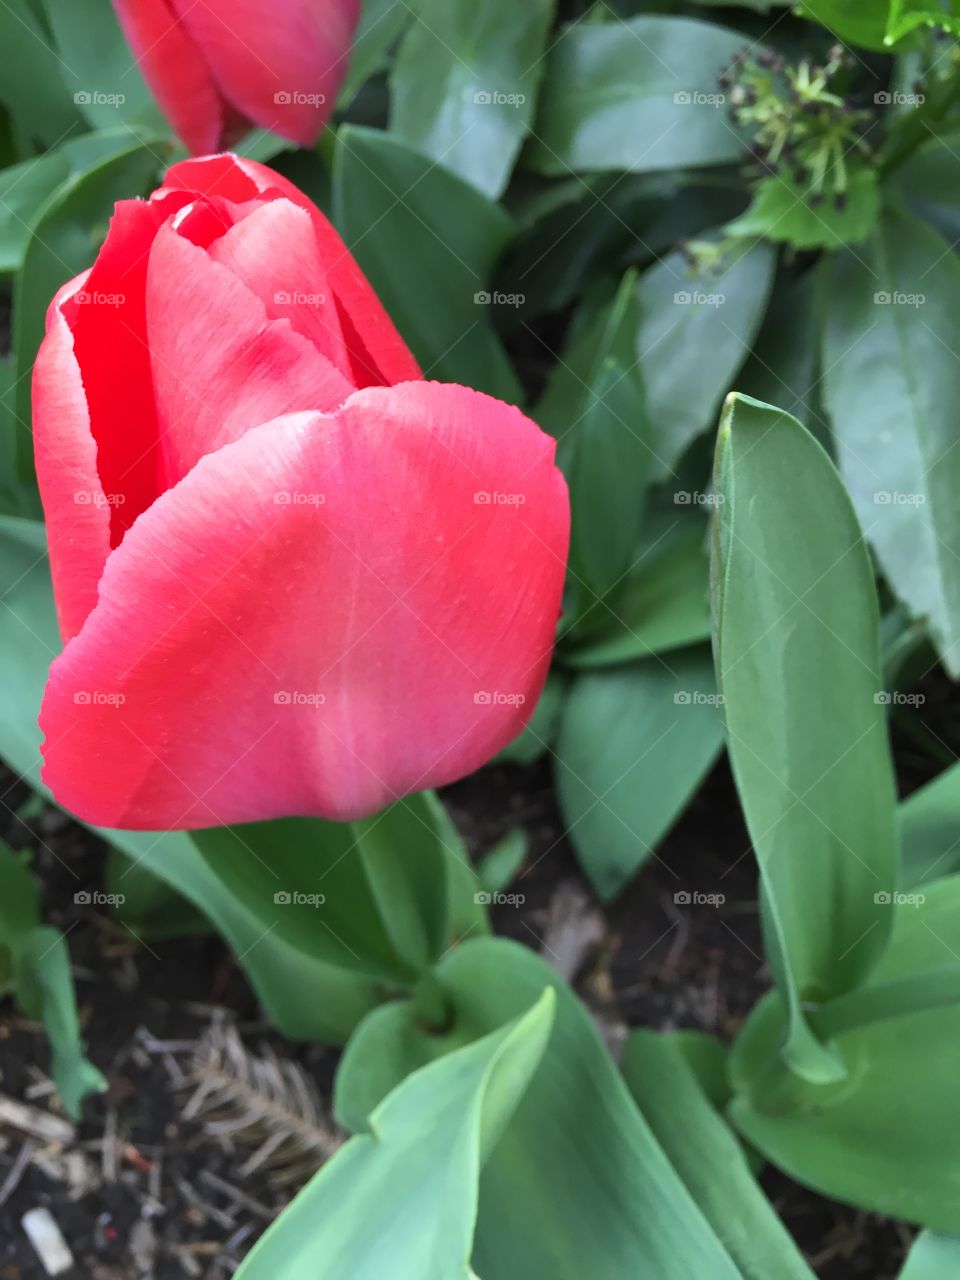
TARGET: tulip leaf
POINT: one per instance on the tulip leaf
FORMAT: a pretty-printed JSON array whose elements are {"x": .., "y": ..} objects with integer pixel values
[
  {"x": 640, "y": 95},
  {"x": 932, "y": 1257},
  {"x": 930, "y": 829},
  {"x": 305, "y": 998},
  {"x": 577, "y": 1159},
  {"x": 29, "y": 76},
  {"x": 381, "y": 22},
  {"x": 401, "y": 1200},
  {"x": 901, "y": 1057},
  {"x": 694, "y": 333},
  {"x": 635, "y": 742},
  {"x": 709, "y": 1158},
  {"x": 464, "y": 84},
  {"x": 427, "y": 242},
  {"x": 797, "y": 651},
  {"x": 64, "y": 241},
  {"x": 892, "y": 379}
]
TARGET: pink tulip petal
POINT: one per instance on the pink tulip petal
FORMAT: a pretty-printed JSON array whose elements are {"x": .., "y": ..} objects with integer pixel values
[
  {"x": 175, "y": 70},
  {"x": 220, "y": 366},
  {"x": 78, "y": 518},
  {"x": 379, "y": 355},
  {"x": 281, "y": 65},
  {"x": 274, "y": 252},
  {"x": 386, "y": 628}
]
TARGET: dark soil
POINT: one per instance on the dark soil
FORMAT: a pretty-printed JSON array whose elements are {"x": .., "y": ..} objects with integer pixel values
[{"x": 160, "y": 1185}]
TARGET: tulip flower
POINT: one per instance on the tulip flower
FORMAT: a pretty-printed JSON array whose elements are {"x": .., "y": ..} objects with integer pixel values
[
  {"x": 219, "y": 66},
  {"x": 292, "y": 576}
]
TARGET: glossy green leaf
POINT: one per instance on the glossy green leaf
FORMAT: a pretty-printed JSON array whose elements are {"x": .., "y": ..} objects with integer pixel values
[
  {"x": 901, "y": 1070},
  {"x": 709, "y": 1159},
  {"x": 798, "y": 662},
  {"x": 635, "y": 742},
  {"x": 782, "y": 210},
  {"x": 694, "y": 334},
  {"x": 662, "y": 604},
  {"x": 578, "y": 1160},
  {"x": 930, "y": 830},
  {"x": 892, "y": 377},
  {"x": 640, "y": 95},
  {"x": 24, "y": 188},
  {"x": 428, "y": 243},
  {"x": 401, "y": 1200},
  {"x": 305, "y": 998},
  {"x": 65, "y": 239},
  {"x": 464, "y": 84},
  {"x": 854, "y": 21},
  {"x": 932, "y": 1257}
]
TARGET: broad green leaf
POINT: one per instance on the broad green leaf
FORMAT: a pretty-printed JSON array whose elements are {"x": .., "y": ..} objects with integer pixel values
[
  {"x": 901, "y": 1069},
  {"x": 640, "y": 95},
  {"x": 782, "y": 210},
  {"x": 499, "y": 866},
  {"x": 304, "y": 997},
  {"x": 797, "y": 653},
  {"x": 24, "y": 188},
  {"x": 635, "y": 742},
  {"x": 858, "y": 22},
  {"x": 30, "y": 83},
  {"x": 577, "y": 1185},
  {"x": 662, "y": 603},
  {"x": 929, "y": 183},
  {"x": 907, "y": 15},
  {"x": 65, "y": 239},
  {"x": 428, "y": 243},
  {"x": 932, "y": 1257},
  {"x": 930, "y": 830},
  {"x": 381, "y": 22},
  {"x": 464, "y": 84},
  {"x": 541, "y": 729},
  {"x": 709, "y": 1159},
  {"x": 146, "y": 905},
  {"x": 401, "y": 1200},
  {"x": 44, "y": 986},
  {"x": 98, "y": 68},
  {"x": 694, "y": 334},
  {"x": 892, "y": 379}
]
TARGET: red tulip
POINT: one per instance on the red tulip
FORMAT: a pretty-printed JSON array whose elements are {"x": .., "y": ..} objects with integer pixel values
[
  {"x": 292, "y": 576},
  {"x": 218, "y": 66}
]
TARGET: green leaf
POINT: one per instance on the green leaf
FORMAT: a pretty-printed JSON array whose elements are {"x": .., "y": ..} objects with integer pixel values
[
  {"x": 305, "y": 998},
  {"x": 499, "y": 866},
  {"x": 64, "y": 241},
  {"x": 465, "y": 81},
  {"x": 906, "y": 15},
  {"x": 892, "y": 378},
  {"x": 709, "y": 1159},
  {"x": 932, "y": 1257},
  {"x": 854, "y": 21},
  {"x": 537, "y": 738},
  {"x": 782, "y": 211},
  {"x": 929, "y": 183},
  {"x": 44, "y": 986},
  {"x": 402, "y": 1200},
  {"x": 662, "y": 605},
  {"x": 19, "y": 907},
  {"x": 797, "y": 650},
  {"x": 930, "y": 830},
  {"x": 24, "y": 188},
  {"x": 640, "y": 95},
  {"x": 381, "y": 22},
  {"x": 635, "y": 742},
  {"x": 694, "y": 334},
  {"x": 559, "y": 1194},
  {"x": 30, "y": 79},
  {"x": 900, "y": 1068},
  {"x": 428, "y": 242}
]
